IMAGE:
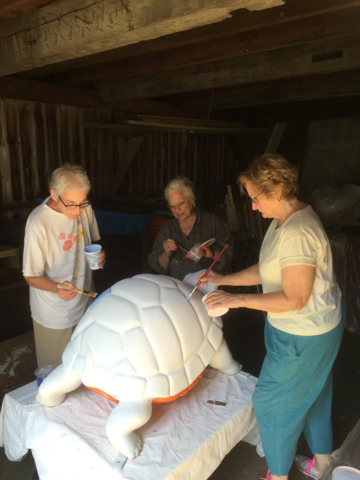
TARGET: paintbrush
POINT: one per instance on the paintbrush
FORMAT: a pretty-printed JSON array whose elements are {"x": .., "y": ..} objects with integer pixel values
[
  {"x": 162, "y": 235},
  {"x": 207, "y": 271},
  {"x": 83, "y": 292}
]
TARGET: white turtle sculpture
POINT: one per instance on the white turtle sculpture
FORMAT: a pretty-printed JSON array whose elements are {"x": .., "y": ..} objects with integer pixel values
[{"x": 140, "y": 340}]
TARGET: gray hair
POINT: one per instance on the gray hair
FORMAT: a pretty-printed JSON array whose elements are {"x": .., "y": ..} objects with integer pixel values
[
  {"x": 180, "y": 183},
  {"x": 69, "y": 177}
]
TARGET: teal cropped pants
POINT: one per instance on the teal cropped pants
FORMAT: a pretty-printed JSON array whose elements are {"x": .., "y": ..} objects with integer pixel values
[{"x": 294, "y": 394}]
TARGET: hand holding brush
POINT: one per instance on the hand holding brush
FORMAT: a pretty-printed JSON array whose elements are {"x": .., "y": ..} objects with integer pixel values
[
  {"x": 207, "y": 271},
  {"x": 83, "y": 292}
]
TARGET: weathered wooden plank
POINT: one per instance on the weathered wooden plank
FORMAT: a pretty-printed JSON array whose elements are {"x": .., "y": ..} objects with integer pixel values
[
  {"x": 46, "y": 92},
  {"x": 70, "y": 29},
  {"x": 134, "y": 129},
  {"x": 24, "y": 122},
  {"x": 33, "y": 146},
  {"x": 298, "y": 32},
  {"x": 5, "y": 167},
  {"x": 240, "y": 21},
  {"x": 257, "y": 92},
  {"x": 40, "y": 148},
  {"x": 314, "y": 92},
  {"x": 20, "y": 157},
  {"x": 47, "y": 160},
  {"x": 11, "y": 128},
  {"x": 80, "y": 135},
  {"x": 276, "y": 64},
  {"x": 106, "y": 153},
  {"x": 9, "y": 256},
  {"x": 53, "y": 139}
]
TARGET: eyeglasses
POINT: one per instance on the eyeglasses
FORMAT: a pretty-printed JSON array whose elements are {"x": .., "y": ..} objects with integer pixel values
[
  {"x": 72, "y": 207},
  {"x": 253, "y": 199}
]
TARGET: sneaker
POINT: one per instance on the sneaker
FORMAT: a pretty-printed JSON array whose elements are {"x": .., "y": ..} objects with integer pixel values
[
  {"x": 268, "y": 476},
  {"x": 306, "y": 466}
]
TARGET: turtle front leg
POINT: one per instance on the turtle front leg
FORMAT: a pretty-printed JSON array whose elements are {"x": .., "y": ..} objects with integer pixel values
[
  {"x": 224, "y": 361},
  {"x": 126, "y": 417}
]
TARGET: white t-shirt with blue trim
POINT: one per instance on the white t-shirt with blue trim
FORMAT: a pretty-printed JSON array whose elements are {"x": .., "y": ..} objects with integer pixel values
[{"x": 301, "y": 240}]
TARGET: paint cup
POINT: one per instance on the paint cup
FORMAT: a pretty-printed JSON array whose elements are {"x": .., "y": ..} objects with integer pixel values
[
  {"x": 196, "y": 253},
  {"x": 93, "y": 253},
  {"x": 214, "y": 312},
  {"x": 42, "y": 372},
  {"x": 345, "y": 473}
]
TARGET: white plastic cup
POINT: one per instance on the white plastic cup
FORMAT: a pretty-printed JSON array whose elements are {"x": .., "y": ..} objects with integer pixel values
[
  {"x": 345, "y": 473},
  {"x": 42, "y": 372},
  {"x": 93, "y": 253},
  {"x": 214, "y": 312}
]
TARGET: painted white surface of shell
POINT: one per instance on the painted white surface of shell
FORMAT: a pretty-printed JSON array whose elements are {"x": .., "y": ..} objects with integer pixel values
[{"x": 144, "y": 338}]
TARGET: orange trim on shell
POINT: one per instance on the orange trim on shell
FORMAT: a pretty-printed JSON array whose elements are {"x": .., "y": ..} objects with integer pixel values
[{"x": 156, "y": 400}]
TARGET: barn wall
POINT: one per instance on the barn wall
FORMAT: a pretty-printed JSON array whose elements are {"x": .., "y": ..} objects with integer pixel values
[
  {"x": 35, "y": 138},
  {"x": 332, "y": 154}
]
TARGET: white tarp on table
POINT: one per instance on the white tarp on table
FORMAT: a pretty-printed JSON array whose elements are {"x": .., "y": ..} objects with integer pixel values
[{"x": 184, "y": 439}]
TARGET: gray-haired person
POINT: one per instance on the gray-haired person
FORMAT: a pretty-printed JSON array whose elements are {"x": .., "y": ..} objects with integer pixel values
[
  {"x": 189, "y": 227},
  {"x": 57, "y": 231}
]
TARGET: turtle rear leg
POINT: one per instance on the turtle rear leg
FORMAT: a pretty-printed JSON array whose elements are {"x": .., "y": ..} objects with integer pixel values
[
  {"x": 224, "y": 361},
  {"x": 53, "y": 389},
  {"x": 126, "y": 417}
]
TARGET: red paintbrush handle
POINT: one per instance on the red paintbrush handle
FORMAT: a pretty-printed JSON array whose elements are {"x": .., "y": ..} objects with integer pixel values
[{"x": 211, "y": 266}]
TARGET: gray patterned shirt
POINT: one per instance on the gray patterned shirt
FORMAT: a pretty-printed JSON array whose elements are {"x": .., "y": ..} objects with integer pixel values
[{"x": 207, "y": 225}]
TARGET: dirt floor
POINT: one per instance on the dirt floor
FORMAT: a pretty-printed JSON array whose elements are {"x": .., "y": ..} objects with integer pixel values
[{"x": 244, "y": 333}]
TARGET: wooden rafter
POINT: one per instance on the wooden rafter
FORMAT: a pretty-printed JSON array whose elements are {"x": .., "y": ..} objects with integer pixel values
[
  {"x": 239, "y": 22},
  {"x": 321, "y": 57},
  {"x": 332, "y": 85},
  {"x": 68, "y": 29},
  {"x": 46, "y": 92},
  {"x": 296, "y": 32}
]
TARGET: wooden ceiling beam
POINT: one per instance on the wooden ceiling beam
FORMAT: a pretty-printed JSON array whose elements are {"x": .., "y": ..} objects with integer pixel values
[
  {"x": 240, "y": 21},
  {"x": 199, "y": 101},
  {"x": 296, "y": 32},
  {"x": 68, "y": 29},
  {"x": 32, "y": 90},
  {"x": 47, "y": 92},
  {"x": 320, "y": 57},
  {"x": 151, "y": 107},
  {"x": 299, "y": 94}
]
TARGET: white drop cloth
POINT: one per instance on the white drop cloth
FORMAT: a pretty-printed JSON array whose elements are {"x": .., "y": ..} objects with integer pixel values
[{"x": 185, "y": 439}]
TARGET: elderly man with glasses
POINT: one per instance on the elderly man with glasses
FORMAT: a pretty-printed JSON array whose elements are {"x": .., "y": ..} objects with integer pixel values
[{"x": 56, "y": 233}]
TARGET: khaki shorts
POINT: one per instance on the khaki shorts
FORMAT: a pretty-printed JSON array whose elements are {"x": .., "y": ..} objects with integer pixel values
[{"x": 50, "y": 344}]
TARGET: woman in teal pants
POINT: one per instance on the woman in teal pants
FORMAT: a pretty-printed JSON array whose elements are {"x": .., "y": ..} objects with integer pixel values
[{"x": 303, "y": 329}]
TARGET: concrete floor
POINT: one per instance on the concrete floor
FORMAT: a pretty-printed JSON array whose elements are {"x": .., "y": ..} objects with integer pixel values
[{"x": 243, "y": 331}]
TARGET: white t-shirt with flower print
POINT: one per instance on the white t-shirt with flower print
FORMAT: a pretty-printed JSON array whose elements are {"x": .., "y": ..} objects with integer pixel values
[{"x": 54, "y": 247}]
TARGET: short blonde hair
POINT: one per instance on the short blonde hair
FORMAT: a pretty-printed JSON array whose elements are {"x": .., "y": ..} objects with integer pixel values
[
  {"x": 268, "y": 171},
  {"x": 180, "y": 183},
  {"x": 69, "y": 177}
]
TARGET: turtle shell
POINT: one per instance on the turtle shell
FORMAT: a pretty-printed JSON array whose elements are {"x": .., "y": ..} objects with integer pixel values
[{"x": 143, "y": 338}]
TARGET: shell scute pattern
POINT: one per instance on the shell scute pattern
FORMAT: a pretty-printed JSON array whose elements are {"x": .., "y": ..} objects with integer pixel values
[
  {"x": 130, "y": 354},
  {"x": 121, "y": 316},
  {"x": 171, "y": 357},
  {"x": 129, "y": 289}
]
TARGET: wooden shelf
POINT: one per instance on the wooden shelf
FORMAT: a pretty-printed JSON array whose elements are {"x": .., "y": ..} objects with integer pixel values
[{"x": 9, "y": 256}]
